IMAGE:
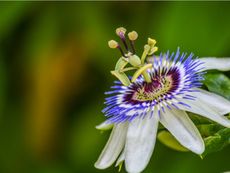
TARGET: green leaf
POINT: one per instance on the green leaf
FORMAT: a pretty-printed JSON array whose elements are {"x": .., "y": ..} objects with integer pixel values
[
  {"x": 167, "y": 139},
  {"x": 218, "y": 83},
  {"x": 209, "y": 129},
  {"x": 217, "y": 142}
]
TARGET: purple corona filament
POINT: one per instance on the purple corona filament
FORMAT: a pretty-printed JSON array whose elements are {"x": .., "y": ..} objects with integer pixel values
[{"x": 173, "y": 77}]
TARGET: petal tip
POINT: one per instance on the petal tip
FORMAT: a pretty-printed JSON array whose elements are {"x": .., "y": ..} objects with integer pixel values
[
  {"x": 198, "y": 148},
  {"x": 134, "y": 168},
  {"x": 100, "y": 165}
]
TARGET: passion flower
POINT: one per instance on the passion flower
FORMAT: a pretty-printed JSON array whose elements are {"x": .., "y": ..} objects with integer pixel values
[{"x": 161, "y": 90}]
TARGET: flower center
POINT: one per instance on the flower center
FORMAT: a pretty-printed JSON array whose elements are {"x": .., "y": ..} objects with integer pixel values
[
  {"x": 151, "y": 91},
  {"x": 160, "y": 88}
]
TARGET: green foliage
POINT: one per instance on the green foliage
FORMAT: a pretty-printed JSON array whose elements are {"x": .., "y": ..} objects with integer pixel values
[
  {"x": 217, "y": 141},
  {"x": 217, "y": 137},
  {"x": 218, "y": 83}
]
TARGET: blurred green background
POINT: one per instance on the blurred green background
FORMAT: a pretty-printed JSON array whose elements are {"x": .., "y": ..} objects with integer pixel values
[{"x": 54, "y": 69}]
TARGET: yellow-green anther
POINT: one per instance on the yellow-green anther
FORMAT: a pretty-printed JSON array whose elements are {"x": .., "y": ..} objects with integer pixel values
[
  {"x": 134, "y": 60},
  {"x": 129, "y": 56},
  {"x": 151, "y": 42},
  {"x": 122, "y": 77},
  {"x": 145, "y": 53},
  {"x": 132, "y": 35},
  {"x": 112, "y": 44},
  {"x": 121, "y": 63},
  {"x": 153, "y": 50},
  {"x": 120, "y": 30},
  {"x": 141, "y": 71}
]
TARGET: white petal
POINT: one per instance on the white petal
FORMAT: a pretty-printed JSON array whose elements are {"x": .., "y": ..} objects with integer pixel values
[
  {"x": 222, "y": 64},
  {"x": 113, "y": 147},
  {"x": 183, "y": 129},
  {"x": 141, "y": 137},
  {"x": 121, "y": 158},
  {"x": 209, "y": 105},
  {"x": 104, "y": 126},
  {"x": 214, "y": 101}
]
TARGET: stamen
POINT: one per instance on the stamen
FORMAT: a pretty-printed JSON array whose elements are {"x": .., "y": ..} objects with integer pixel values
[
  {"x": 113, "y": 44},
  {"x": 122, "y": 53},
  {"x": 132, "y": 37},
  {"x": 120, "y": 30},
  {"x": 153, "y": 50},
  {"x": 144, "y": 54},
  {"x": 151, "y": 42},
  {"x": 121, "y": 33},
  {"x": 130, "y": 57}
]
